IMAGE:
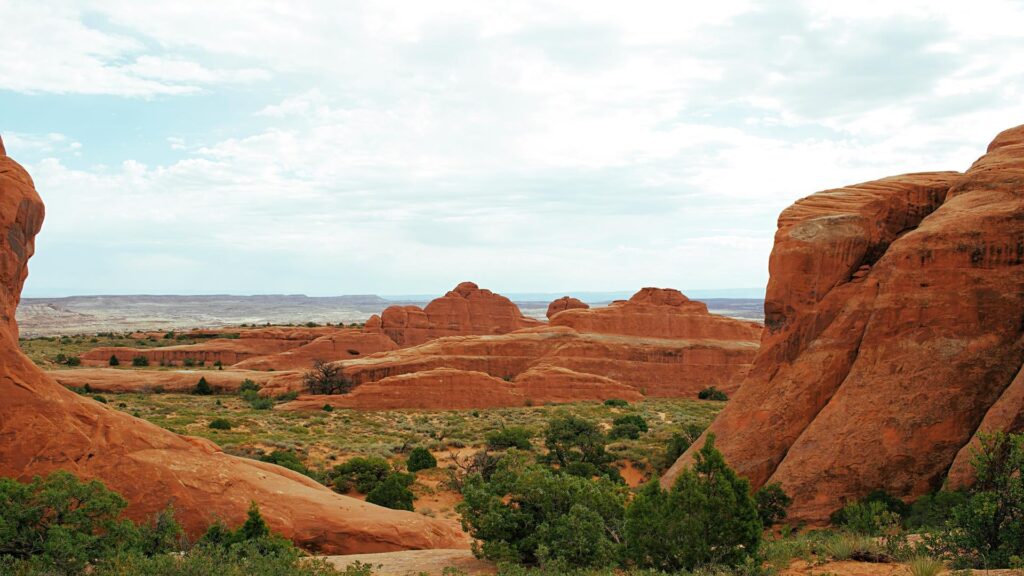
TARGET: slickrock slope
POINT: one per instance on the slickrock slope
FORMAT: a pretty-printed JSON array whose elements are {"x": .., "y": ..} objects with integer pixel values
[
  {"x": 44, "y": 427},
  {"x": 658, "y": 313},
  {"x": 466, "y": 310},
  {"x": 340, "y": 345},
  {"x": 894, "y": 329},
  {"x": 565, "y": 303},
  {"x": 119, "y": 380},
  {"x": 560, "y": 363}
]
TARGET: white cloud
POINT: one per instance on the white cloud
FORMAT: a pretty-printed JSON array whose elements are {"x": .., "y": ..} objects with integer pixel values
[{"x": 528, "y": 145}]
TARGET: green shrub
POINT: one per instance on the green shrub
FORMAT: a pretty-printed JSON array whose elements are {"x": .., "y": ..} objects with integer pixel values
[
  {"x": 933, "y": 510},
  {"x": 188, "y": 362},
  {"x": 420, "y": 459},
  {"x": 286, "y": 397},
  {"x": 202, "y": 387},
  {"x": 140, "y": 361},
  {"x": 577, "y": 446},
  {"x": 707, "y": 518},
  {"x": 617, "y": 402},
  {"x": 362, "y": 473},
  {"x": 261, "y": 403},
  {"x": 986, "y": 530},
  {"x": 530, "y": 514},
  {"x": 871, "y": 515},
  {"x": 629, "y": 426},
  {"x": 287, "y": 459},
  {"x": 99, "y": 399},
  {"x": 924, "y": 566},
  {"x": 680, "y": 443},
  {"x": 248, "y": 385},
  {"x": 393, "y": 492},
  {"x": 509, "y": 437},
  {"x": 220, "y": 424},
  {"x": 59, "y": 524},
  {"x": 712, "y": 393},
  {"x": 113, "y": 360},
  {"x": 772, "y": 502},
  {"x": 328, "y": 408}
]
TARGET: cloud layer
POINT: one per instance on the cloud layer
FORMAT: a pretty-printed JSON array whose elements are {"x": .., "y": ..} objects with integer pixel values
[{"x": 399, "y": 147}]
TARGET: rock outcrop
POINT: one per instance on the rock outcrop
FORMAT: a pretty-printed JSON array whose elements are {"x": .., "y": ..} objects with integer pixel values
[
  {"x": 658, "y": 313},
  {"x": 565, "y": 303},
  {"x": 894, "y": 332},
  {"x": 466, "y": 310},
  {"x": 628, "y": 351},
  {"x": 119, "y": 380},
  {"x": 44, "y": 427}
]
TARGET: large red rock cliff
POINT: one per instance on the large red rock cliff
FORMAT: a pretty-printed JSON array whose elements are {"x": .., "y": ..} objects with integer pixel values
[
  {"x": 44, "y": 427},
  {"x": 894, "y": 328},
  {"x": 466, "y": 310}
]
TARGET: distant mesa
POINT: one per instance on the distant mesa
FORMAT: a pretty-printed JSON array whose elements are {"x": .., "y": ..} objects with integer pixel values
[
  {"x": 893, "y": 337},
  {"x": 466, "y": 310},
  {"x": 45, "y": 427},
  {"x": 565, "y": 303}
]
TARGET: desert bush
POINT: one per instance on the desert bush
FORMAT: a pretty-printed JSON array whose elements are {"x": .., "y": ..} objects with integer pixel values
[
  {"x": 220, "y": 424},
  {"x": 363, "y": 473},
  {"x": 328, "y": 408},
  {"x": 577, "y": 446},
  {"x": 59, "y": 524},
  {"x": 616, "y": 402},
  {"x": 924, "y": 566},
  {"x": 871, "y": 515},
  {"x": 680, "y": 443},
  {"x": 986, "y": 530},
  {"x": 420, "y": 459},
  {"x": 393, "y": 492},
  {"x": 772, "y": 502},
  {"x": 509, "y": 437},
  {"x": 629, "y": 426},
  {"x": 481, "y": 463},
  {"x": 113, "y": 360},
  {"x": 140, "y": 361},
  {"x": 325, "y": 378},
  {"x": 530, "y": 514},
  {"x": 708, "y": 517},
  {"x": 287, "y": 459},
  {"x": 99, "y": 399},
  {"x": 712, "y": 393},
  {"x": 189, "y": 362},
  {"x": 933, "y": 510},
  {"x": 853, "y": 547},
  {"x": 202, "y": 388},
  {"x": 248, "y": 385}
]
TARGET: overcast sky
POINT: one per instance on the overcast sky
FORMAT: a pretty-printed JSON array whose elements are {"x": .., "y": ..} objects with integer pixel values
[{"x": 401, "y": 147}]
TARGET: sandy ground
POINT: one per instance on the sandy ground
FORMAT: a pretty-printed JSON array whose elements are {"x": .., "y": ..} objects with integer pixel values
[{"x": 414, "y": 562}]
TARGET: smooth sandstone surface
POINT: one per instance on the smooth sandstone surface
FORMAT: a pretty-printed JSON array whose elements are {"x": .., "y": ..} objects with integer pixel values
[
  {"x": 466, "y": 310},
  {"x": 565, "y": 303},
  {"x": 44, "y": 427},
  {"x": 894, "y": 333}
]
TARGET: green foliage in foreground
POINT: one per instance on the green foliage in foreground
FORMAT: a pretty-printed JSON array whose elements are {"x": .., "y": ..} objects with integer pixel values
[
  {"x": 707, "y": 518},
  {"x": 421, "y": 459},
  {"x": 63, "y": 526}
]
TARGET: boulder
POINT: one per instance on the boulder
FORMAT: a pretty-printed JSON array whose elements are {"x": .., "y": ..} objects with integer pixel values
[
  {"x": 44, "y": 427},
  {"x": 893, "y": 332}
]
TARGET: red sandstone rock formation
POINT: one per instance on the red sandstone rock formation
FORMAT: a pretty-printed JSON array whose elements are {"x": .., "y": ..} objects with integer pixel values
[
  {"x": 637, "y": 353},
  {"x": 565, "y": 303},
  {"x": 893, "y": 331},
  {"x": 44, "y": 427},
  {"x": 452, "y": 389},
  {"x": 465, "y": 310},
  {"x": 658, "y": 313},
  {"x": 118, "y": 380},
  {"x": 339, "y": 345}
]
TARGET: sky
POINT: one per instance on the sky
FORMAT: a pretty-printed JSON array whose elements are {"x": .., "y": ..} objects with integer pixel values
[{"x": 325, "y": 147}]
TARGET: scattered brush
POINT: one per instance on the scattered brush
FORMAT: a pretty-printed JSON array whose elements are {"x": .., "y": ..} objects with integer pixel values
[{"x": 854, "y": 547}]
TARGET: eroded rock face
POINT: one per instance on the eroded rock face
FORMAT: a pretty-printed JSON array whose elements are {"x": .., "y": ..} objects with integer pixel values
[
  {"x": 116, "y": 380},
  {"x": 658, "y": 313},
  {"x": 565, "y": 303},
  {"x": 631, "y": 351},
  {"x": 466, "y": 310},
  {"x": 894, "y": 326},
  {"x": 44, "y": 427}
]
